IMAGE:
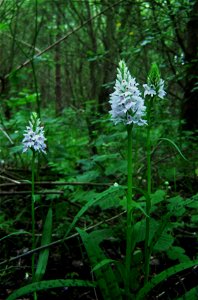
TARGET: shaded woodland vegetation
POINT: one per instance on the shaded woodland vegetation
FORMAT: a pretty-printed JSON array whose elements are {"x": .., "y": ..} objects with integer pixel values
[{"x": 59, "y": 58}]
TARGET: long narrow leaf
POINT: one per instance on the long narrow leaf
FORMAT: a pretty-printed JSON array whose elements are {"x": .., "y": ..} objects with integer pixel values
[
  {"x": 14, "y": 233},
  {"x": 104, "y": 275},
  {"x": 44, "y": 254},
  {"x": 102, "y": 264},
  {"x": 162, "y": 276},
  {"x": 88, "y": 205},
  {"x": 49, "y": 284},
  {"x": 175, "y": 146}
]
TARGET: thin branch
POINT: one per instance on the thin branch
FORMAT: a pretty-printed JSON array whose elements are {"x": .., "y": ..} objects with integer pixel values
[
  {"x": 63, "y": 38},
  {"x": 60, "y": 240},
  {"x": 43, "y": 183},
  {"x": 29, "y": 192},
  {"x": 8, "y": 137},
  {"x": 14, "y": 182},
  {"x": 23, "y": 42}
]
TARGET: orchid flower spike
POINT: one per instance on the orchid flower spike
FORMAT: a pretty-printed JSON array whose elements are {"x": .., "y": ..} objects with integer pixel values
[
  {"x": 155, "y": 85},
  {"x": 34, "y": 138},
  {"x": 127, "y": 105}
]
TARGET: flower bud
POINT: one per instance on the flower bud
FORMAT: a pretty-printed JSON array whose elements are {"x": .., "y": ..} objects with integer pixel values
[{"x": 155, "y": 85}]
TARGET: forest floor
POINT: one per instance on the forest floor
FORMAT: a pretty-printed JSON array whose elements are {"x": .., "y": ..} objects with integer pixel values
[{"x": 69, "y": 260}]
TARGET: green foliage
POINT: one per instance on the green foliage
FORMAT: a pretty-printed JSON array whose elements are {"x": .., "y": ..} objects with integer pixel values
[
  {"x": 96, "y": 200},
  {"x": 44, "y": 254},
  {"x": 190, "y": 295},
  {"x": 49, "y": 284},
  {"x": 104, "y": 274},
  {"x": 23, "y": 98},
  {"x": 69, "y": 85},
  {"x": 162, "y": 276}
]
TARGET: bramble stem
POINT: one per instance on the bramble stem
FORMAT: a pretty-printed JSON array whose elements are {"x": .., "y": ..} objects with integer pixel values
[{"x": 129, "y": 213}]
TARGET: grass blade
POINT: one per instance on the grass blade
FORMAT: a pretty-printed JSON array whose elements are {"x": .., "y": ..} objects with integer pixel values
[
  {"x": 105, "y": 277},
  {"x": 175, "y": 146},
  {"x": 49, "y": 284},
  {"x": 162, "y": 276},
  {"x": 44, "y": 254},
  {"x": 88, "y": 205}
]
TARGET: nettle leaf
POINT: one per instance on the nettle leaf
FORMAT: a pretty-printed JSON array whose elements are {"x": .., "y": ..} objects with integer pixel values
[
  {"x": 88, "y": 176},
  {"x": 94, "y": 201},
  {"x": 111, "y": 197},
  {"x": 117, "y": 167},
  {"x": 194, "y": 202},
  {"x": 157, "y": 197},
  {"x": 104, "y": 157},
  {"x": 176, "y": 205},
  {"x": 175, "y": 253},
  {"x": 140, "y": 227},
  {"x": 194, "y": 219},
  {"x": 165, "y": 241},
  {"x": 99, "y": 235},
  {"x": 82, "y": 196}
]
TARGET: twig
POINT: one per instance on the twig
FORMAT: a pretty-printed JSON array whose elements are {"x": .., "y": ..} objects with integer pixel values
[
  {"x": 23, "y": 42},
  {"x": 14, "y": 182},
  {"x": 29, "y": 192},
  {"x": 62, "y": 39},
  {"x": 54, "y": 183},
  {"x": 60, "y": 240},
  {"x": 8, "y": 137}
]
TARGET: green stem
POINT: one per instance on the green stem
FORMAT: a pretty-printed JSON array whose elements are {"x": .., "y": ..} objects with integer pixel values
[
  {"x": 148, "y": 201},
  {"x": 33, "y": 215},
  {"x": 129, "y": 214}
]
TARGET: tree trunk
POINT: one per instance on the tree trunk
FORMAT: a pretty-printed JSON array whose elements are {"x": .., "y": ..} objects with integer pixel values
[
  {"x": 58, "y": 86},
  {"x": 190, "y": 104}
]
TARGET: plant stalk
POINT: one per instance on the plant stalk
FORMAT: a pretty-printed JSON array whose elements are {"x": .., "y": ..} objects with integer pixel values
[
  {"x": 148, "y": 200},
  {"x": 129, "y": 213},
  {"x": 33, "y": 219}
]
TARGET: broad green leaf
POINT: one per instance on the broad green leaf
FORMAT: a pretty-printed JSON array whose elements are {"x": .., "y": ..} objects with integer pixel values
[
  {"x": 159, "y": 231},
  {"x": 190, "y": 295},
  {"x": 194, "y": 219},
  {"x": 164, "y": 275},
  {"x": 25, "y": 99},
  {"x": 137, "y": 205},
  {"x": 157, "y": 197},
  {"x": 105, "y": 277},
  {"x": 176, "y": 205},
  {"x": 177, "y": 253},
  {"x": 44, "y": 254},
  {"x": 4, "y": 26},
  {"x": 90, "y": 203},
  {"x": 100, "y": 235},
  {"x": 49, "y": 284},
  {"x": 164, "y": 242}
]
